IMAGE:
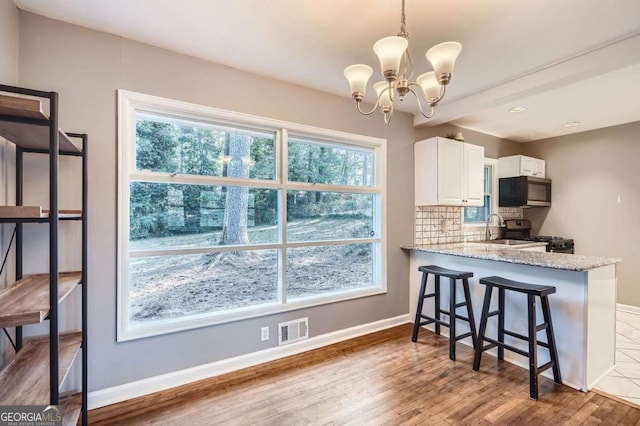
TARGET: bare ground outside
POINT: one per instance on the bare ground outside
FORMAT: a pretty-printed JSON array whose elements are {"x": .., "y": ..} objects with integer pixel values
[{"x": 165, "y": 287}]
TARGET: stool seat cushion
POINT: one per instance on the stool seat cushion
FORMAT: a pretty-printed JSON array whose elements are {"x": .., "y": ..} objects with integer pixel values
[
  {"x": 449, "y": 273},
  {"x": 535, "y": 289}
]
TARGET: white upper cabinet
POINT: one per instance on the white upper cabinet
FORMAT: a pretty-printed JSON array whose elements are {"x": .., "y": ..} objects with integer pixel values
[
  {"x": 520, "y": 165},
  {"x": 474, "y": 181},
  {"x": 448, "y": 173}
]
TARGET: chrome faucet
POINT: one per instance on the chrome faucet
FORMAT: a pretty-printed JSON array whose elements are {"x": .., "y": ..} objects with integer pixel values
[{"x": 487, "y": 233}]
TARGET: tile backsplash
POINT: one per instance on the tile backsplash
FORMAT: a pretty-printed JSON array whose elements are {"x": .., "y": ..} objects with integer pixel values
[{"x": 441, "y": 224}]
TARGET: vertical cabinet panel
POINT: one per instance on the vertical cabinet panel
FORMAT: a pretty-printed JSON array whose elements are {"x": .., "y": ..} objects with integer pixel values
[{"x": 474, "y": 182}]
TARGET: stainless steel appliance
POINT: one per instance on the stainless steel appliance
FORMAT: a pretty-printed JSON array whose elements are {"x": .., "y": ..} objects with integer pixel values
[
  {"x": 520, "y": 229},
  {"x": 524, "y": 191}
]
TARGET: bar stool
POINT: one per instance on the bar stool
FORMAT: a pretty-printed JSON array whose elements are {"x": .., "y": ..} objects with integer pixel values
[
  {"x": 438, "y": 272},
  {"x": 532, "y": 291}
]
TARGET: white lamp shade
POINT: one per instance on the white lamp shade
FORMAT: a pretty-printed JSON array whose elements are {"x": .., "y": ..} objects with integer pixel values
[
  {"x": 385, "y": 98},
  {"x": 443, "y": 56},
  {"x": 390, "y": 51},
  {"x": 358, "y": 76},
  {"x": 429, "y": 85}
]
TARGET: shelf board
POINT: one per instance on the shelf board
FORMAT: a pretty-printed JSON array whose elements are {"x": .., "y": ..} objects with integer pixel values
[
  {"x": 21, "y": 107},
  {"x": 72, "y": 408},
  {"x": 33, "y": 214},
  {"x": 25, "y": 381},
  {"x": 20, "y": 211},
  {"x": 27, "y": 301},
  {"x": 28, "y": 135}
]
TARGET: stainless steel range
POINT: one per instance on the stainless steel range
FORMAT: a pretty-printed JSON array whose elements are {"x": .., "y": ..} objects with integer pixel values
[{"x": 520, "y": 229}]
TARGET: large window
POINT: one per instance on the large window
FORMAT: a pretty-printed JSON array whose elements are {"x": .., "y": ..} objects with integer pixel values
[
  {"x": 224, "y": 216},
  {"x": 479, "y": 215}
]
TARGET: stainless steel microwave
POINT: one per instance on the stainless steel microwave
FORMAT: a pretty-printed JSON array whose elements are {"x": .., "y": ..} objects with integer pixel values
[{"x": 524, "y": 191}]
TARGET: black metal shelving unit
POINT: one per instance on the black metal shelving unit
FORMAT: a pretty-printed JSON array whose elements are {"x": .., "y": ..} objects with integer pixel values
[{"x": 33, "y": 132}]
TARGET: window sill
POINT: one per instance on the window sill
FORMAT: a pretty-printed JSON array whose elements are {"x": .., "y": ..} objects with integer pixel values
[{"x": 478, "y": 225}]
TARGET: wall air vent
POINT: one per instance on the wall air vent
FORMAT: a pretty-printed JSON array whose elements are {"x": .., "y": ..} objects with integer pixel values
[{"x": 293, "y": 331}]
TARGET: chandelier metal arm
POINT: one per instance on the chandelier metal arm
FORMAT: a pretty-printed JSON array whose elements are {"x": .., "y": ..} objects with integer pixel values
[
  {"x": 391, "y": 91},
  {"x": 433, "y": 107},
  {"x": 408, "y": 65},
  {"x": 372, "y": 110}
]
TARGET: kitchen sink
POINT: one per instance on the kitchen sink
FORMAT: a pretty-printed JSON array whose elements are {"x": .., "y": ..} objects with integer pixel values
[{"x": 504, "y": 242}]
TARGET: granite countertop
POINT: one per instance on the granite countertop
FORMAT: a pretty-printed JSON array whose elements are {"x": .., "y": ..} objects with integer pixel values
[{"x": 512, "y": 254}]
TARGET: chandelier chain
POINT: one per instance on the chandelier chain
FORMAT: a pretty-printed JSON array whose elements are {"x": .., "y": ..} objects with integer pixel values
[{"x": 403, "y": 25}]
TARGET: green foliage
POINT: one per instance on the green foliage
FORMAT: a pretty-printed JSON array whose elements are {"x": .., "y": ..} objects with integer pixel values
[
  {"x": 317, "y": 163},
  {"x": 160, "y": 209},
  {"x": 155, "y": 146}
]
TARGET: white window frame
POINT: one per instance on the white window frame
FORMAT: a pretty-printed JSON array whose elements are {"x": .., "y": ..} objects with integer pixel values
[
  {"x": 493, "y": 163},
  {"x": 131, "y": 103}
]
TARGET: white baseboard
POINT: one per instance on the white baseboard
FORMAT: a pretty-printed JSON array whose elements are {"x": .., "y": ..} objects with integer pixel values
[
  {"x": 628, "y": 308},
  {"x": 113, "y": 395},
  {"x": 602, "y": 376}
]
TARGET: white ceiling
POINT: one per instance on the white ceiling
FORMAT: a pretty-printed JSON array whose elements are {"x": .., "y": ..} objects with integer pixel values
[{"x": 558, "y": 58}]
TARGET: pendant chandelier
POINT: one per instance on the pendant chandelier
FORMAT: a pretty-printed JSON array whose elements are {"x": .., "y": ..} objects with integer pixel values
[{"x": 397, "y": 69}]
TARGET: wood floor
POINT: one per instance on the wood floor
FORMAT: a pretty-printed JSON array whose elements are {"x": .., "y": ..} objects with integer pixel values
[{"x": 379, "y": 379}]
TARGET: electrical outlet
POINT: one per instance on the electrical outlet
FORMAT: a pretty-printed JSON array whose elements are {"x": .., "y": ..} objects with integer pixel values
[{"x": 264, "y": 334}]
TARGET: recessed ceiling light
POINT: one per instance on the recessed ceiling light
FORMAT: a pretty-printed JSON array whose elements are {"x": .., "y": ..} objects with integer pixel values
[
  {"x": 517, "y": 109},
  {"x": 571, "y": 124}
]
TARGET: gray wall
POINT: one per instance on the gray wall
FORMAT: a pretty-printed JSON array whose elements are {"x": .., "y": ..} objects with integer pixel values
[
  {"x": 8, "y": 42},
  {"x": 589, "y": 171},
  {"x": 87, "y": 67},
  {"x": 494, "y": 147}
]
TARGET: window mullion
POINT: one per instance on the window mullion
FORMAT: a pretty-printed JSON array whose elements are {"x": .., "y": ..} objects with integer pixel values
[
  {"x": 282, "y": 216},
  {"x": 322, "y": 187},
  {"x": 200, "y": 180},
  {"x": 201, "y": 250}
]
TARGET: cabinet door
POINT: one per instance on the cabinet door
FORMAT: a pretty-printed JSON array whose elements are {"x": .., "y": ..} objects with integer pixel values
[
  {"x": 474, "y": 175},
  {"x": 450, "y": 172},
  {"x": 539, "y": 169},
  {"x": 527, "y": 166}
]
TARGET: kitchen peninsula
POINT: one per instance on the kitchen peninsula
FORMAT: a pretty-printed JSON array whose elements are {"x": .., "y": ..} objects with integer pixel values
[{"x": 583, "y": 308}]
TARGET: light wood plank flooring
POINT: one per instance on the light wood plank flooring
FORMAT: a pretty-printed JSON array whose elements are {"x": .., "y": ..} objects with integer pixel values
[{"x": 379, "y": 379}]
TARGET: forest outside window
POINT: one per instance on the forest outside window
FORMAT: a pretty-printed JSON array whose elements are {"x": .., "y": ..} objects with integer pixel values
[{"x": 226, "y": 216}]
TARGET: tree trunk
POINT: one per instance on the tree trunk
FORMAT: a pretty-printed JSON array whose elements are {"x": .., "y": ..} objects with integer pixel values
[
  {"x": 345, "y": 169},
  {"x": 365, "y": 171},
  {"x": 234, "y": 231}
]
